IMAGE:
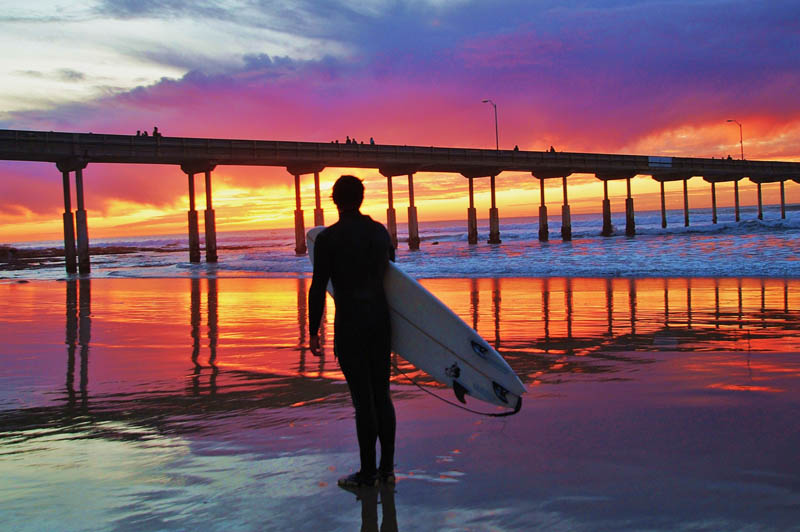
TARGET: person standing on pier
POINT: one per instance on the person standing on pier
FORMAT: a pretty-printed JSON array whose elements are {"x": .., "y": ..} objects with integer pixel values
[{"x": 354, "y": 254}]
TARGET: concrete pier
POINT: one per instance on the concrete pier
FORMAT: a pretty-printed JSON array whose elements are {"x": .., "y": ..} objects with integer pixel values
[
  {"x": 194, "y": 232},
  {"x": 81, "y": 227},
  {"x": 210, "y": 223},
  {"x": 713, "y": 202},
  {"x": 72, "y": 151},
  {"x": 566, "y": 222},
  {"x": 608, "y": 229},
  {"x": 736, "y": 199},
  {"x": 630, "y": 221},
  {"x": 663, "y": 207},
  {"x": 69, "y": 228},
  {"x": 472, "y": 216},
  {"x": 494, "y": 217},
  {"x": 413, "y": 227},
  {"x": 299, "y": 223},
  {"x": 319, "y": 216},
  {"x": 391, "y": 215},
  {"x": 544, "y": 232}
]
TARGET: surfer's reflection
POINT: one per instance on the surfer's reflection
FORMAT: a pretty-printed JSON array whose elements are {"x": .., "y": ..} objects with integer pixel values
[
  {"x": 213, "y": 335},
  {"x": 79, "y": 328},
  {"x": 370, "y": 497}
]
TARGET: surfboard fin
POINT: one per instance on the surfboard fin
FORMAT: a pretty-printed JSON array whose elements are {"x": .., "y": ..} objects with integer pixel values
[
  {"x": 460, "y": 391},
  {"x": 500, "y": 392}
]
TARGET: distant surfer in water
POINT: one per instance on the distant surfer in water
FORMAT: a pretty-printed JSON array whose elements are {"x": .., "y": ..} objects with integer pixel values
[{"x": 354, "y": 254}]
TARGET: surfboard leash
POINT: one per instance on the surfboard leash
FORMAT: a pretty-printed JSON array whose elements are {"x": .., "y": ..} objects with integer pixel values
[{"x": 451, "y": 403}]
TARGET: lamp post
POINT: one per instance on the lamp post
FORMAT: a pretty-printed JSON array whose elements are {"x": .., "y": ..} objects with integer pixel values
[
  {"x": 494, "y": 215},
  {"x": 741, "y": 142},
  {"x": 496, "y": 136}
]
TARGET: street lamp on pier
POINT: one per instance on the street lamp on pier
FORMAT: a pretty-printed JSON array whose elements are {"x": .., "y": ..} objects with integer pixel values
[
  {"x": 741, "y": 142},
  {"x": 496, "y": 136}
]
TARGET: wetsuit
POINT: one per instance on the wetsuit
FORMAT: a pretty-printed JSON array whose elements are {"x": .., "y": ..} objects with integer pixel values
[{"x": 354, "y": 254}]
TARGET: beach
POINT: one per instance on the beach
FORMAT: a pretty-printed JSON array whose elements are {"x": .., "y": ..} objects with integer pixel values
[
  {"x": 185, "y": 403},
  {"x": 606, "y": 193}
]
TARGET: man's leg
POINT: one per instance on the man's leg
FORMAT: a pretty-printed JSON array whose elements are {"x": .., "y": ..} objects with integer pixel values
[
  {"x": 357, "y": 374},
  {"x": 380, "y": 371}
]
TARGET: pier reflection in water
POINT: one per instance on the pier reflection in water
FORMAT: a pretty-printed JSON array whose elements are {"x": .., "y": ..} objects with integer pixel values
[
  {"x": 79, "y": 333},
  {"x": 202, "y": 381},
  {"x": 551, "y": 326}
]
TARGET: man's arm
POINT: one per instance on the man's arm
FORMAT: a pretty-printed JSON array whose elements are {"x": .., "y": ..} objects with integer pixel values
[{"x": 316, "y": 293}]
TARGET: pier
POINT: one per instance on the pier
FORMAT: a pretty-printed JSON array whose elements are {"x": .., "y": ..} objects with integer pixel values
[{"x": 72, "y": 153}]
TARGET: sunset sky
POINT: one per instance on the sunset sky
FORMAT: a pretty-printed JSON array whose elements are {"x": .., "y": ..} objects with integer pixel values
[{"x": 643, "y": 77}]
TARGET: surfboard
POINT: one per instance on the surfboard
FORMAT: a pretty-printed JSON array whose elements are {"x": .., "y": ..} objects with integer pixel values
[{"x": 433, "y": 338}]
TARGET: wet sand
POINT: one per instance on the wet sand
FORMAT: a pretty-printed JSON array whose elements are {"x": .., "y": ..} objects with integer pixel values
[{"x": 175, "y": 404}]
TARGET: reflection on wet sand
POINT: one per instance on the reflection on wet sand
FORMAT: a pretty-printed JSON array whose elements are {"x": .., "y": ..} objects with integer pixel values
[
  {"x": 204, "y": 397},
  {"x": 213, "y": 335},
  {"x": 534, "y": 323},
  {"x": 79, "y": 327},
  {"x": 546, "y": 328},
  {"x": 370, "y": 499}
]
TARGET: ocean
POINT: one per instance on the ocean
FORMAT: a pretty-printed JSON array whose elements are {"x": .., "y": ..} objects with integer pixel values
[{"x": 750, "y": 248}]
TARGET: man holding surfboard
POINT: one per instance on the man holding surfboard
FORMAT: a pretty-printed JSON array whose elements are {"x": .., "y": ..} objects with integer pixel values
[{"x": 353, "y": 255}]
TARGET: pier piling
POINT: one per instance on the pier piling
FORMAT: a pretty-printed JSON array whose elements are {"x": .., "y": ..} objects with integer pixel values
[
  {"x": 760, "y": 204},
  {"x": 69, "y": 228},
  {"x": 472, "y": 216},
  {"x": 607, "y": 227},
  {"x": 736, "y": 199},
  {"x": 194, "y": 232},
  {"x": 663, "y": 207},
  {"x": 713, "y": 202},
  {"x": 685, "y": 203},
  {"x": 299, "y": 223},
  {"x": 494, "y": 217},
  {"x": 630, "y": 222},
  {"x": 413, "y": 228},
  {"x": 566, "y": 222},
  {"x": 210, "y": 223},
  {"x": 783, "y": 201},
  {"x": 544, "y": 233},
  {"x": 319, "y": 215},
  {"x": 391, "y": 215},
  {"x": 81, "y": 226}
]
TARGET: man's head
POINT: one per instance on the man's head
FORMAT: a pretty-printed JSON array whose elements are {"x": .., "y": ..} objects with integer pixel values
[{"x": 348, "y": 193}]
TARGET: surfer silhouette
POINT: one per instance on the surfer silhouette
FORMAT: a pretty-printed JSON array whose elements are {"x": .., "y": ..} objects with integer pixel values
[{"x": 354, "y": 254}]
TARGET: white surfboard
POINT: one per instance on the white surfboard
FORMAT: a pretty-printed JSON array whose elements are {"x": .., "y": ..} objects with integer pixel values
[{"x": 434, "y": 339}]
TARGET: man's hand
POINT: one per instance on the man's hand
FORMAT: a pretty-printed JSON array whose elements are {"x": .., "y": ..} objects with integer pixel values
[{"x": 313, "y": 344}]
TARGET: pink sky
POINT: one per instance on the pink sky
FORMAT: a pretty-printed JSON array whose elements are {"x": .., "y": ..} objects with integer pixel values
[{"x": 657, "y": 79}]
